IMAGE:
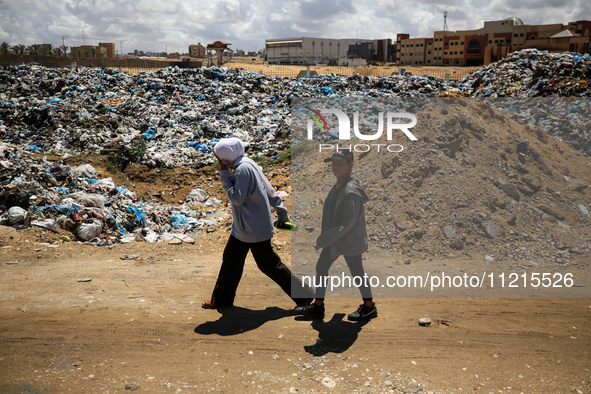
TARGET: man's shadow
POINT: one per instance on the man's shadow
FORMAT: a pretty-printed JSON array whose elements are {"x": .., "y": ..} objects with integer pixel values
[
  {"x": 237, "y": 320},
  {"x": 334, "y": 336}
]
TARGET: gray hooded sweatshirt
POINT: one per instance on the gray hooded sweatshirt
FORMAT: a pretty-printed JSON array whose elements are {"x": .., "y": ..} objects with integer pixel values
[{"x": 250, "y": 193}]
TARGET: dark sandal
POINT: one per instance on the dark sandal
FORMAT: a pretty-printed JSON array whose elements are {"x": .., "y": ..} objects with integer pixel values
[{"x": 208, "y": 305}]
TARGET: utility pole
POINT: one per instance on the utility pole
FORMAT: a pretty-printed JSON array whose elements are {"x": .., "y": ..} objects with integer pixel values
[
  {"x": 121, "y": 44},
  {"x": 64, "y": 40}
]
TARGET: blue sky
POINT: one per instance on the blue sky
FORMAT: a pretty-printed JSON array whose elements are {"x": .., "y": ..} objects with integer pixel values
[{"x": 172, "y": 25}]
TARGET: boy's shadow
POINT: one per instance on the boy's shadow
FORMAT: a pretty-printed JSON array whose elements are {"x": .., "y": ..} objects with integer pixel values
[
  {"x": 334, "y": 336},
  {"x": 237, "y": 320}
]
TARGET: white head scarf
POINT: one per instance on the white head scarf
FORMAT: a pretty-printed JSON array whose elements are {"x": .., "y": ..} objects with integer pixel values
[{"x": 231, "y": 151}]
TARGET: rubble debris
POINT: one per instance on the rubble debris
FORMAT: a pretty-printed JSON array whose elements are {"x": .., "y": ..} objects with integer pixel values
[{"x": 494, "y": 205}]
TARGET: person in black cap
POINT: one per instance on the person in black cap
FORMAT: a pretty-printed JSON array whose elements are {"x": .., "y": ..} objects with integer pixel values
[{"x": 343, "y": 233}]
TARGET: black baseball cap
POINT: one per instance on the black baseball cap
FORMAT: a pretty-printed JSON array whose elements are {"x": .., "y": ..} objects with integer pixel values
[{"x": 341, "y": 154}]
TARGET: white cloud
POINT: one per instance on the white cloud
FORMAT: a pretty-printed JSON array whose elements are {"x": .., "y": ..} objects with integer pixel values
[{"x": 149, "y": 24}]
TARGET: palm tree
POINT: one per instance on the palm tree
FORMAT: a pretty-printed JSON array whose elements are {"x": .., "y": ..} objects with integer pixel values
[
  {"x": 19, "y": 48},
  {"x": 58, "y": 51},
  {"x": 4, "y": 47},
  {"x": 64, "y": 49},
  {"x": 91, "y": 51},
  {"x": 33, "y": 49}
]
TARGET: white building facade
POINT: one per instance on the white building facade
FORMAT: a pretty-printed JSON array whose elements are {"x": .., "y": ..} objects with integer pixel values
[{"x": 308, "y": 50}]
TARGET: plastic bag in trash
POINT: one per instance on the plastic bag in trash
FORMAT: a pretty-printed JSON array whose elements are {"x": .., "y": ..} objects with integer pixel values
[
  {"x": 48, "y": 224},
  {"x": 196, "y": 196},
  {"x": 151, "y": 237},
  {"x": 138, "y": 213},
  {"x": 127, "y": 238},
  {"x": 105, "y": 184},
  {"x": 87, "y": 231},
  {"x": 176, "y": 219},
  {"x": 90, "y": 200},
  {"x": 13, "y": 216},
  {"x": 84, "y": 171}
]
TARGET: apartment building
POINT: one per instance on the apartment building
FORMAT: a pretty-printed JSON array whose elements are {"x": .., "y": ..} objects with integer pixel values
[
  {"x": 197, "y": 50},
  {"x": 491, "y": 42}
]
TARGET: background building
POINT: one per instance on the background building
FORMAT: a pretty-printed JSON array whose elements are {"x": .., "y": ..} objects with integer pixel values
[
  {"x": 306, "y": 50},
  {"x": 490, "y": 43},
  {"x": 314, "y": 50},
  {"x": 89, "y": 51},
  {"x": 196, "y": 50},
  {"x": 109, "y": 48}
]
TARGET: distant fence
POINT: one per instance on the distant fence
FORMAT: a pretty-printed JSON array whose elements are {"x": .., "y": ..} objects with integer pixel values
[
  {"x": 293, "y": 71},
  {"x": 455, "y": 73},
  {"x": 137, "y": 70}
]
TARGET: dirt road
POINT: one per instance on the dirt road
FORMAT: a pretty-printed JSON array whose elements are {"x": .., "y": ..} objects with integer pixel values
[{"x": 137, "y": 325}]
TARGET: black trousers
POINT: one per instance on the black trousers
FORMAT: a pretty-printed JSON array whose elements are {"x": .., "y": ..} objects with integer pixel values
[
  {"x": 266, "y": 259},
  {"x": 355, "y": 265}
]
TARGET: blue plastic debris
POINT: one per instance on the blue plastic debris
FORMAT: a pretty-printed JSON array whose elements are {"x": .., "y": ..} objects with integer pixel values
[
  {"x": 138, "y": 214},
  {"x": 177, "y": 219},
  {"x": 61, "y": 189}
]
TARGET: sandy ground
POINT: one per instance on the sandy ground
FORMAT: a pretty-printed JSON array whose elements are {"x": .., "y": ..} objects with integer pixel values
[{"x": 137, "y": 325}]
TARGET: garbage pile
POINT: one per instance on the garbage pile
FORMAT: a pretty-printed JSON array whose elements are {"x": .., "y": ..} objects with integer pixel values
[
  {"x": 533, "y": 73},
  {"x": 57, "y": 197},
  {"x": 169, "y": 117},
  {"x": 530, "y": 73}
]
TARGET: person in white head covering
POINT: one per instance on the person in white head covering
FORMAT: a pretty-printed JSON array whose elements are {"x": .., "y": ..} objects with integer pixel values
[{"x": 251, "y": 196}]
